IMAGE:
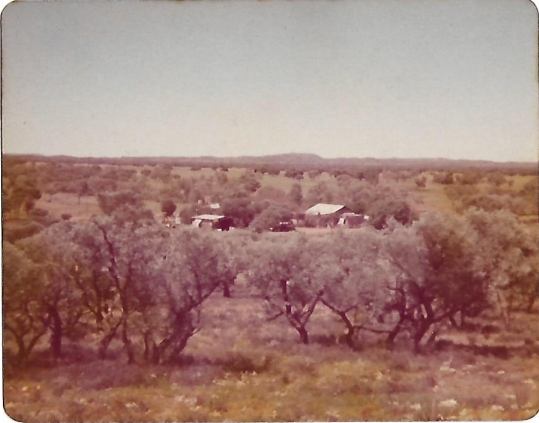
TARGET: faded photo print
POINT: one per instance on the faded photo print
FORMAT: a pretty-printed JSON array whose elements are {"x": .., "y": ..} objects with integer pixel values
[{"x": 268, "y": 211}]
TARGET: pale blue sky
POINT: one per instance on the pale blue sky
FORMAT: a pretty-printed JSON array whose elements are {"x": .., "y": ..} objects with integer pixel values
[{"x": 362, "y": 78}]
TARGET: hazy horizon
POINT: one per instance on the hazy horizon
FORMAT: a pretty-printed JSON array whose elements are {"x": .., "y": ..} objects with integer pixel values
[
  {"x": 378, "y": 79},
  {"x": 241, "y": 156}
]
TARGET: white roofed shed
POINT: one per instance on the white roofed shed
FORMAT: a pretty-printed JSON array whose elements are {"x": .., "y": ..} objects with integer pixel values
[{"x": 322, "y": 209}]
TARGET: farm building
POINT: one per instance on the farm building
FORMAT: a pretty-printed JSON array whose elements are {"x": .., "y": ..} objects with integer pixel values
[
  {"x": 322, "y": 209},
  {"x": 326, "y": 214},
  {"x": 213, "y": 221},
  {"x": 352, "y": 220}
]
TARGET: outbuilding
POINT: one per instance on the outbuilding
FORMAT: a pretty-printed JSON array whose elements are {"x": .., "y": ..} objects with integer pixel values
[
  {"x": 323, "y": 209},
  {"x": 212, "y": 221},
  {"x": 323, "y": 214},
  {"x": 352, "y": 220}
]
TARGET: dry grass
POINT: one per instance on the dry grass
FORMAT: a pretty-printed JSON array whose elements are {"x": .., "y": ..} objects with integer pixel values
[
  {"x": 242, "y": 368},
  {"x": 68, "y": 203}
]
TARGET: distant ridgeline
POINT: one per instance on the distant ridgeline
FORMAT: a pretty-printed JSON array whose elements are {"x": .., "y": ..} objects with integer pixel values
[{"x": 295, "y": 161}]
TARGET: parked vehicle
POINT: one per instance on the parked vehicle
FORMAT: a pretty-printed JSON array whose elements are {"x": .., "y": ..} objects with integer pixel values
[{"x": 283, "y": 227}]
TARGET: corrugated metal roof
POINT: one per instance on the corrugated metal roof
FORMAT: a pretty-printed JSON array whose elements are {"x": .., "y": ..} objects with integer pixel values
[
  {"x": 322, "y": 209},
  {"x": 208, "y": 217}
]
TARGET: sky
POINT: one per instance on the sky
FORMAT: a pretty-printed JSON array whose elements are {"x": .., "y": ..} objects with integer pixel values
[{"x": 455, "y": 79}]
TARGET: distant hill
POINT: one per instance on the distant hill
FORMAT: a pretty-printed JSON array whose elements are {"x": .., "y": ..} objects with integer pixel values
[
  {"x": 289, "y": 159},
  {"x": 300, "y": 161}
]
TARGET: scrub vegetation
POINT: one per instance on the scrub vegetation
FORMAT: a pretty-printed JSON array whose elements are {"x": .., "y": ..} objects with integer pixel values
[{"x": 428, "y": 311}]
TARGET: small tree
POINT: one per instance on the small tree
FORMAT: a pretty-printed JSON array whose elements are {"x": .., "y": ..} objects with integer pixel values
[
  {"x": 496, "y": 178},
  {"x": 469, "y": 178},
  {"x": 51, "y": 251},
  {"x": 352, "y": 271},
  {"x": 382, "y": 210},
  {"x": 221, "y": 177},
  {"x": 278, "y": 274},
  {"x": 506, "y": 252},
  {"x": 22, "y": 307},
  {"x": 444, "y": 178},
  {"x": 21, "y": 196},
  {"x": 239, "y": 209},
  {"x": 271, "y": 217},
  {"x": 233, "y": 257},
  {"x": 167, "y": 307},
  {"x": 437, "y": 275},
  {"x": 168, "y": 208},
  {"x": 421, "y": 181},
  {"x": 294, "y": 173},
  {"x": 249, "y": 182},
  {"x": 296, "y": 194},
  {"x": 92, "y": 277},
  {"x": 83, "y": 190}
]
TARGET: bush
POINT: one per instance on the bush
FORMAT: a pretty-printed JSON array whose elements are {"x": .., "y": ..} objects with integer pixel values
[
  {"x": 239, "y": 209},
  {"x": 444, "y": 178},
  {"x": 470, "y": 178},
  {"x": 421, "y": 182},
  {"x": 240, "y": 362},
  {"x": 168, "y": 207},
  {"x": 295, "y": 174},
  {"x": 22, "y": 230},
  {"x": 271, "y": 217},
  {"x": 382, "y": 211},
  {"x": 496, "y": 179},
  {"x": 493, "y": 202}
]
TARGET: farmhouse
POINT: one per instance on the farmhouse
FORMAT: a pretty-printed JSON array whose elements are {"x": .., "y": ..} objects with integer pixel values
[
  {"x": 323, "y": 209},
  {"x": 326, "y": 214},
  {"x": 213, "y": 221}
]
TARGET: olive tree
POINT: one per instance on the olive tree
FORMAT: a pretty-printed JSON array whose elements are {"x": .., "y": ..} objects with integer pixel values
[
  {"x": 279, "y": 273},
  {"x": 508, "y": 254},
  {"x": 437, "y": 275},
  {"x": 128, "y": 261},
  {"x": 233, "y": 257},
  {"x": 145, "y": 285},
  {"x": 184, "y": 272},
  {"x": 92, "y": 278},
  {"x": 51, "y": 252},
  {"x": 352, "y": 271},
  {"x": 22, "y": 310}
]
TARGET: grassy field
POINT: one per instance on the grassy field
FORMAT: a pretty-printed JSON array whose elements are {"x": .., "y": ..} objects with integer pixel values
[{"x": 240, "y": 367}]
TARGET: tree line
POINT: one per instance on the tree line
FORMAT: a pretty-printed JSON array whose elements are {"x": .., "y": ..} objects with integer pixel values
[
  {"x": 293, "y": 162},
  {"x": 118, "y": 277}
]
